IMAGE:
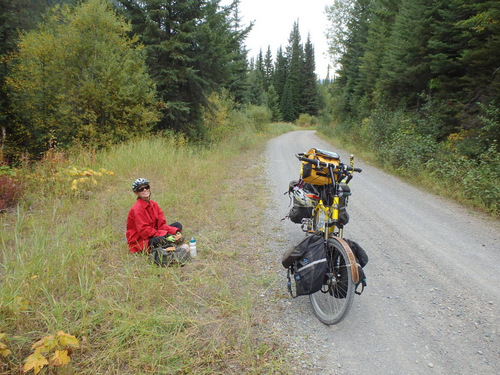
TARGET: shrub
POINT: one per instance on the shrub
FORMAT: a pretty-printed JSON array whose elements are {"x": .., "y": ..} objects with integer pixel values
[
  {"x": 408, "y": 150},
  {"x": 10, "y": 191},
  {"x": 217, "y": 116},
  {"x": 259, "y": 117},
  {"x": 305, "y": 120}
]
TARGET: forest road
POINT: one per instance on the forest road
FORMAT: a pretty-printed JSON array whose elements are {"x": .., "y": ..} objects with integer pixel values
[{"x": 432, "y": 305}]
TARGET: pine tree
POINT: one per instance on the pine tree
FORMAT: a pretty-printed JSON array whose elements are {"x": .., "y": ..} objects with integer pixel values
[
  {"x": 309, "y": 91},
  {"x": 280, "y": 73},
  {"x": 349, "y": 82},
  {"x": 290, "y": 100},
  {"x": 193, "y": 48},
  {"x": 273, "y": 104},
  {"x": 268, "y": 69},
  {"x": 237, "y": 81},
  {"x": 405, "y": 68},
  {"x": 377, "y": 45},
  {"x": 256, "y": 93}
]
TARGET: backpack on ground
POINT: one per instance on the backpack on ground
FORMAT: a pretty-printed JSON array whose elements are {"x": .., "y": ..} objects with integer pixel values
[
  {"x": 307, "y": 263},
  {"x": 170, "y": 255}
]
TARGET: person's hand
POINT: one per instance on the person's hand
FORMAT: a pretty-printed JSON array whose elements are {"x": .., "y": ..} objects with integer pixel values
[{"x": 178, "y": 236}]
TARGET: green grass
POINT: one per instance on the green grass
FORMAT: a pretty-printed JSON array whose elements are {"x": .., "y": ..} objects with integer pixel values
[{"x": 64, "y": 264}]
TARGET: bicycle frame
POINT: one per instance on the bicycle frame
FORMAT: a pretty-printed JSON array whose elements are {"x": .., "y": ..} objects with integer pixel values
[{"x": 331, "y": 212}]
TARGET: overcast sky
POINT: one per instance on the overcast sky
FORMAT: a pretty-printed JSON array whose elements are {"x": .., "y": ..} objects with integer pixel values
[{"x": 273, "y": 22}]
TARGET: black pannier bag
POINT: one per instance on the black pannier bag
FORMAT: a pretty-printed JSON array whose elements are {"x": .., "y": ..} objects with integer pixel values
[
  {"x": 343, "y": 214},
  {"x": 307, "y": 263},
  {"x": 362, "y": 259},
  {"x": 297, "y": 213}
]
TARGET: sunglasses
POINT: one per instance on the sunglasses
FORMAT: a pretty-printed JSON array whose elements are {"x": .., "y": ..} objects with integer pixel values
[{"x": 141, "y": 189}]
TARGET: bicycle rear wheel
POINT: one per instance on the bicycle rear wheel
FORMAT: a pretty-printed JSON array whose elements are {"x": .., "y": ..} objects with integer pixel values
[{"x": 332, "y": 303}]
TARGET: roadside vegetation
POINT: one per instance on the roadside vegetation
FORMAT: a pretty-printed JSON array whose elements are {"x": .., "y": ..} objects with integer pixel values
[
  {"x": 417, "y": 86},
  {"x": 70, "y": 285},
  {"x": 440, "y": 167}
]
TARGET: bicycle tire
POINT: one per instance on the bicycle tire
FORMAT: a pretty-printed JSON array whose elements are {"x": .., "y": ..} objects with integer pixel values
[{"x": 332, "y": 303}]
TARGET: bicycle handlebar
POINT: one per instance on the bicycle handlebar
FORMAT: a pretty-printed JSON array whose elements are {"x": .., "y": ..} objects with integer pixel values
[{"x": 319, "y": 164}]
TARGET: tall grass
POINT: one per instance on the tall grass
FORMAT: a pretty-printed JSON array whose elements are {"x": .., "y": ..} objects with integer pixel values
[{"x": 64, "y": 264}]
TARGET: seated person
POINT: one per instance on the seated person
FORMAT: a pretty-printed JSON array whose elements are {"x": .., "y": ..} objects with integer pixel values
[{"x": 146, "y": 224}]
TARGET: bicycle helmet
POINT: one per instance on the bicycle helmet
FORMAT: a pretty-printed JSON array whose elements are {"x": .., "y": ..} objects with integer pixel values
[
  {"x": 138, "y": 183},
  {"x": 304, "y": 199}
]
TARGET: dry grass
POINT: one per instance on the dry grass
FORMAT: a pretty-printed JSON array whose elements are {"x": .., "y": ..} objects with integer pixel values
[{"x": 64, "y": 265}]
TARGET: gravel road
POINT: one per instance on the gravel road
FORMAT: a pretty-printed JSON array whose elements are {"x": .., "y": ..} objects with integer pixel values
[{"x": 432, "y": 304}]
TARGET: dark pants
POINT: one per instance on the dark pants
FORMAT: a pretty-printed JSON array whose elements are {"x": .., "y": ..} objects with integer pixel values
[{"x": 162, "y": 240}]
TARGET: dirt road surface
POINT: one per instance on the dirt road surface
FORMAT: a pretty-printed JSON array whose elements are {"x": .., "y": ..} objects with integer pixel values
[{"x": 432, "y": 305}]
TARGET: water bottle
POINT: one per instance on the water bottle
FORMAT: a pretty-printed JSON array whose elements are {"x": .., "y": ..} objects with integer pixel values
[{"x": 192, "y": 247}]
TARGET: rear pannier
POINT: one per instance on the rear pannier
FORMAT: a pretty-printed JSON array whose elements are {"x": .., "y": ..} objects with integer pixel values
[{"x": 307, "y": 263}]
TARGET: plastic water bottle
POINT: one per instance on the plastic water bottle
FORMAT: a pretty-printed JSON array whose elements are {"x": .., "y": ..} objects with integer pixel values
[{"x": 192, "y": 247}]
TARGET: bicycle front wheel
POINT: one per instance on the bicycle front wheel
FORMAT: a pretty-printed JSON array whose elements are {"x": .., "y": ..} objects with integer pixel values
[{"x": 332, "y": 303}]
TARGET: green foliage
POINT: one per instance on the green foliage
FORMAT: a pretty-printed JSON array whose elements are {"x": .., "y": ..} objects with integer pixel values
[
  {"x": 309, "y": 100},
  {"x": 418, "y": 84},
  {"x": 79, "y": 78},
  {"x": 256, "y": 92},
  {"x": 273, "y": 104},
  {"x": 306, "y": 119},
  {"x": 193, "y": 48},
  {"x": 16, "y": 16},
  {"x": 289, "y": 87},
  {"x": 290, "y": 99},
  {"x": 217, "y": 116},
  {"x": 259, "y": 117},
  {"x": 401, "y": 143}
]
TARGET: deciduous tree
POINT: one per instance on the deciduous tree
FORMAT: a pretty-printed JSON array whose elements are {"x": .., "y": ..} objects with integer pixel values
[{"x": 78, "y": 77}]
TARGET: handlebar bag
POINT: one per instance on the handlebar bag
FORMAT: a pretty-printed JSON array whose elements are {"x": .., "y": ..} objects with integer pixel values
[{"x": 318, "y": 176}]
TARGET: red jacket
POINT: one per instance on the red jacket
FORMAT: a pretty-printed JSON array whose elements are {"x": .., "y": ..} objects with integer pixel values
[{"x": 145, "y": 220}]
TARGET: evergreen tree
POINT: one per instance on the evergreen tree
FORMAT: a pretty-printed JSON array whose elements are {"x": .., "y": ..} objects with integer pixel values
[
  {"x": 193, "y": 48},
  {"x": 273, "y": 104},
  {"x": 349, "y": 82},
  {"x": 405, "y": 68},
  {"x": 280, "y": 73},
  {"x": 309, "y": 91},
  {"x": 464, "y": 54},
  {"x": 377, "y": 44},
  {"x": 291, "y": 98},
  {"x": 237, "y": 81},
  {"x": 287, "y": 106},
  {"x": 268, "y": 69},
  {"x": 259, "y": 63},
  {"x": 256, "y": 93},
  {"x": 481, "y": 55}
]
